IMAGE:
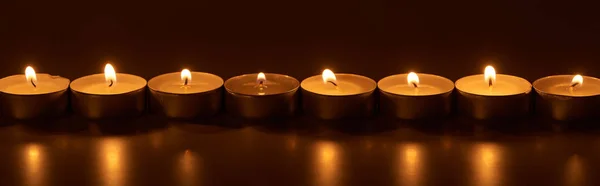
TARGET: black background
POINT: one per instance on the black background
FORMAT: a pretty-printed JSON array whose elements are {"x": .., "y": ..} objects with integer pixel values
[{"x": 375, "y": 38}]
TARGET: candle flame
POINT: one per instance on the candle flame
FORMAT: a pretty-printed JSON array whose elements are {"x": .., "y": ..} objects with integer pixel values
[
  {"x": 30, "y": 76},
  {"x": 413, "y": 79},
  {"x": 490, "y": 75},
  {"x": 329, "y": 77},
  {"x": 577, "y": 81},
  {"x": 261, "y": 78},
  {"x": 109, "y": 75},
  {"x": 186, "y": 76}
]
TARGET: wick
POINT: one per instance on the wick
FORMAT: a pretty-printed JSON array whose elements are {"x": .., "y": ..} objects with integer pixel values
[
  {"x": 185, "y": 82},
  {"x": 489, "y": 82},
  {"x": 415, "y": 84},
  {"x": 333, "y": 83},
  {"x": 111, "y": 83},
  {"x": 574, "y": 84},
  {"x": 34, "y": 85}
]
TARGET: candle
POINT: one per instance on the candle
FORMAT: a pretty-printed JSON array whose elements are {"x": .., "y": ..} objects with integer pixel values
[
  {"x": 186, "y": 95},
  {"x": 338, "y": 96},
  {"x": 493, "y": 96},
  {"x": 108, "y": 95},
  {"x": 261, "y": 96},
  {"x": 568, "y": 97},
  {"x": 31, "y": 95},
  {"x": 412, "y": 96}
]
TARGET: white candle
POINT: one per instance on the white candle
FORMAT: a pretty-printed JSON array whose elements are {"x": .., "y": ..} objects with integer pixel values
[
  {"x": 332, "y": 84},
  {"x": 185, "y": 82},
  {"x": 492, "y": 84},
  {"x": 109, "y": 83},
  {"x": 412, "y": 84},
  {"x": 34, "y": 85},
  {"x": 568, "y": 85}
]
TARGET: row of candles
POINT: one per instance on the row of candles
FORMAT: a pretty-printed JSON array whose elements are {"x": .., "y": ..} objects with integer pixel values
[{"x": 187, "y": 94}]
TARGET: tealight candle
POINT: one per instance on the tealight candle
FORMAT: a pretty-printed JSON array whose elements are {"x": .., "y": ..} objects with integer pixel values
[
  {"x": 31, "y": 95},
  {"x": 568, "y": 97},
  {"x": 338, "y": 96},
  {"x": 176, "y": 96},
  {"x": 109, "y": 95},
  {"x": 262, "y": 95},
  {"x": 493, "y": 96},
  {"x": 412, "y": 96}
]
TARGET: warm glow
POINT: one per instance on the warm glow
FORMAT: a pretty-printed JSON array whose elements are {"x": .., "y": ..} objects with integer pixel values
[
  {"x": 329, "y": 76},
  {"x": 490, "y": 75},
  {"x": 577, "y": 81},
  {"x": 261, "y": 78},
  {"x": 30, "y": 76},
  {"x": 109, "y": 75},
  {"x": 186, "y": 76},
  {"x": 412, "y": 79}
]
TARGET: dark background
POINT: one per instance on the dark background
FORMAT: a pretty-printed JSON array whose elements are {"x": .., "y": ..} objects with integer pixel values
[{"x": 375, "y": 38}]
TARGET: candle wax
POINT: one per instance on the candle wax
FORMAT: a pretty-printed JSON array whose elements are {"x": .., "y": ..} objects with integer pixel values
[
  {"x": 46, "y": 83},
  {"x": 96, "y": 84},
  {"x": 561, "y": 85},
  {"x": 103, "y": 88},
  {"x": 347, "y": 84},
  {"x": 567, "y": 90},
  {"x": 504, "y": 85},
  {"x": 275, "y": 84},
  {"x": 411, "y": 90},
  {"x": 429, "y": 85},
  {"x": 171, "y": 83}
]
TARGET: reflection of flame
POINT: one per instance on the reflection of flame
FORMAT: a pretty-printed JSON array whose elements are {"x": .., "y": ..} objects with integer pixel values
[
  {"x": 261, "y": 78},
  {"x": 413, "y": 79},
  {"x": 30, "y": 76},
  {"x": 577, "y": 81},
  {"x": 329, "y": 76},
  {"x": 486, "y": 161},
  {"x": 34, "y": 162},
  {"x": 327, "y": 163},
  {"x": 490, "y": 75},
  {"x": 186, "y": 76},
  {"x": 409, "y": 157},
  {"x": 110, "y": 75}
]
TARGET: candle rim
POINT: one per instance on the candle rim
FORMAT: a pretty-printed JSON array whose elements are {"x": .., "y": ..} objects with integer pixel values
[
  {"x": 102, "y": 75},
  {"x": 296, "y": 84},
  {"x": 338, "y": 75},
  {"x": 538, "y": 90},
  {"x": 150, "y": 82},
  {"x": 497, "y": 75},
  {"x": 419, "y": 74},
  {"x": 39, "y": 76}
]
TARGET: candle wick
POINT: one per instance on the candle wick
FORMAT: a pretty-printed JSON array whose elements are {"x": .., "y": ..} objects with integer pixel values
[
  {"x": 111, "y": 83},
  {"x": 415, "y": 84},
  {"x": 574, "y": 84},
  {"x": 335, "y": 84},
  {"x": 33, "y": 83},
  {"x": 185, "y": 82},
  {"x": 490, "y": 83}
]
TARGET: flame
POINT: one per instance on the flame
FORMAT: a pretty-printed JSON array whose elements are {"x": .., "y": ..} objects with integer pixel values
[
  {"x": 30, "y": 76},
  {"x": 186, "y": 76},
  {"x": 261, "y": 78},
  {"x": 577, "y": 81},
  {"x": 329, "y": 76},
  {"x": 412, "y": 79},
  {"x": 109, "y": 75},
  {"x": 490, "y": 75}
]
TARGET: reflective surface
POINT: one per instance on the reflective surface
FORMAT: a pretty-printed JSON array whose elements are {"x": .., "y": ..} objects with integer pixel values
[{"x": 151, "y": 151}]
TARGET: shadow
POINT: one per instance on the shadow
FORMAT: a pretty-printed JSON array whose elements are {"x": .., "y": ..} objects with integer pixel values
[
  {"x": 123, "y": 126},
  {"x": 54, "y": 126}
]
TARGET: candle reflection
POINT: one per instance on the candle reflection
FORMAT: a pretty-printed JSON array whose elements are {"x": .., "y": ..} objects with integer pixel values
[
  {"x": 112, "y": 161},
  {"x": 187, "y": 166},
  {"x": 409, "y": 164},
  {"x": 574, "y": 173},
  {"x": 486, "y": 162},
  {"x": 327, "y": 163},
  {"x": 34, "y": 157}
]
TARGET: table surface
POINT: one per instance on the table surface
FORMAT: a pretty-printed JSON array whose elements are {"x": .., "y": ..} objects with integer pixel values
[{"x": 225, "y": 151}]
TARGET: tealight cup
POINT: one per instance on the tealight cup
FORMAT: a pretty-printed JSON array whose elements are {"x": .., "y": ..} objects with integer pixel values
[
  {"x": 338, "y": 96},
  {"x": 414, "y": 97},
  {"x": 493, "y": 96},
  {"x": 109, "y": 96},
  {"x": 568, "y": 97},
  {"x": 34, "y": 96},
  {"x": 262, "y": 96},
  {"x": 176, "y": 96}
]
